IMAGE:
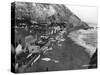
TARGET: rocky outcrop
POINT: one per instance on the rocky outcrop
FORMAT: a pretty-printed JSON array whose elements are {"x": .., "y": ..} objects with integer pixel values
[{"x": 47, "y": 13}]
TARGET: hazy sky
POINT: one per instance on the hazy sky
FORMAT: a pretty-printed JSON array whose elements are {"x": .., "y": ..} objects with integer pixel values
[{"x": 85, "y": 13}]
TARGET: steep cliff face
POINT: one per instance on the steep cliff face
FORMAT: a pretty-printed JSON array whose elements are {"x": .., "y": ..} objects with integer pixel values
[
  {"x": 47, "y": 13},
  {"x": 42, "y": 12},
  {"x": 39, "y": 18}
]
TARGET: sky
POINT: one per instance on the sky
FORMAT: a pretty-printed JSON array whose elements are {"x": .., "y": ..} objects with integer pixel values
[{"x": 86, "y": 13}]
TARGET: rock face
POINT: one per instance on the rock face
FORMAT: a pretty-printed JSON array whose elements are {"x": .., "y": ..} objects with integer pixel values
[
  {"x": 47, "y": 13},
  {"x": 42, "y": 13},
  {"x": 51, "y": 24}
]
